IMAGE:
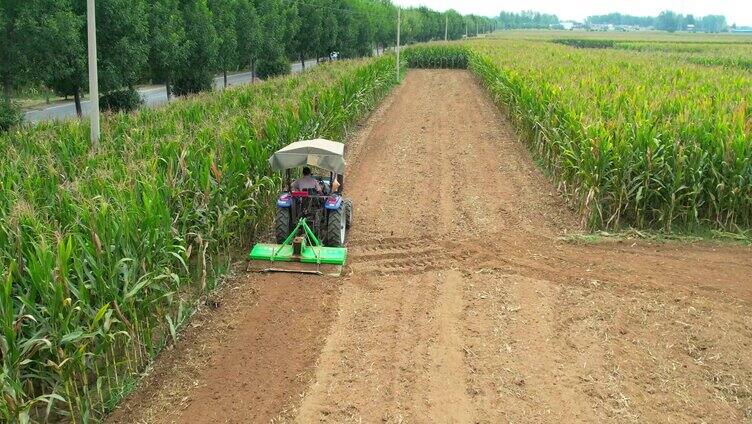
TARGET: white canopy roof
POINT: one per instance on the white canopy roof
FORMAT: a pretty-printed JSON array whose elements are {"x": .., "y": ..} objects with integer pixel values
[{"x": 321, "y": 153}]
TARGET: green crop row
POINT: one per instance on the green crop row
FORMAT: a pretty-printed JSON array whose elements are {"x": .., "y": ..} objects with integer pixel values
[
  {"x": 740, "y": 62},
  {"x": 586, "y": 43},
  {"x": 633, "y": 139},
  {"x": 446, "y": 55},
  {"x": 103, "y": 253},
  {"x": 726, "y": 54}
]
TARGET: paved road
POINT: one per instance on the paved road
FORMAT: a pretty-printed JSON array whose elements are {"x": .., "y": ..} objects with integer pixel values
[{"x": 152, "y": 96}]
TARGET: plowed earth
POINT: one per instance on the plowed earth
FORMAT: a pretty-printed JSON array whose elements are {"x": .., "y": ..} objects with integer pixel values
[{"x": 465, "y": 301}]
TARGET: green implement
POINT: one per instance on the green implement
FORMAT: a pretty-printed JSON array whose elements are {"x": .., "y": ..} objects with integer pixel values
[{"x": 298, "y": 249}]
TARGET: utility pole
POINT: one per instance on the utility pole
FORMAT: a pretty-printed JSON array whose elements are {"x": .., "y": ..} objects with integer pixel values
[
  {"x": 91, "y": 31},
  {"x": 398, "y": 42},
  {"x": 446, "y": 26}
]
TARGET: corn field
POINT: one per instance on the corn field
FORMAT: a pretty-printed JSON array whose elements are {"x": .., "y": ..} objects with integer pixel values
[
  {"x": 729, "y": 54},
  {"x": 104, "y": 253},
  {"x": 632, "y": 138},
  {"x": 447, "y": 56}
]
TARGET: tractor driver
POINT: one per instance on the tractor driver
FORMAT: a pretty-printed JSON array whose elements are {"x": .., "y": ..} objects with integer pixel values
[{"x": 307, "y": 182}]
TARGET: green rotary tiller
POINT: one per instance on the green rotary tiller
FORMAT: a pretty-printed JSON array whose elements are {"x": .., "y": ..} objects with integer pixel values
[{"x": 305, "y": 249}]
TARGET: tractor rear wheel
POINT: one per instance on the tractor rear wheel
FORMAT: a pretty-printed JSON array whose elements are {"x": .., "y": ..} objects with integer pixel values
[
  {"x": 335, "y": 228},
  {"x": 282, "y": 225},
  {"x": 348, "y": 213}
]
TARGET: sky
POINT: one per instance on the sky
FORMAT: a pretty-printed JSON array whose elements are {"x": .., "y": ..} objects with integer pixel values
[{"x": 736, "y": 11}]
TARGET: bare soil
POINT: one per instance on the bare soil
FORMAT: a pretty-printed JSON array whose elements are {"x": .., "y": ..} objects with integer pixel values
[{"x": 463, "y": 301}]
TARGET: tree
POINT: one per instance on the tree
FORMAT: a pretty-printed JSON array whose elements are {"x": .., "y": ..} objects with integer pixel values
[
  {"x": 225, "y": 23},
  {"x": 669, "y": 21},
  {"x": 57, "y": 50},
  {"x": 248, "y": 29},
  {"x": 411, "y": 27},
  {"x": 346, "y": 29},
  {"x": 526, "y": 19},
  {"x": 168, "y": 42},
  {"x": 12, "y": 63},
  {"x": 689, "y": 20},
  {"x": 714, "y": 23},
  {"x": 364, "y": 30},
  {"x": 122, "y": 42},
  {"x": 272, "y": 59},
  {"x": 619, "y": 19},
  {"x": 197, "y": 74},
  {"x": 305, "y": 40},
  {"x": 329, "y": 30},
  {"x": 455, "y": 24},
  {"x": 386, "y": 19},
  {"x": 292, "y": 21}
]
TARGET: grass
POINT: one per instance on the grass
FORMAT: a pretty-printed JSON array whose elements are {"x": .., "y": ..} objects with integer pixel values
[
  {"x": 742, "y": 238},
  {"x": 120, "y": 392},
  {"x": 31, "y": 97},
  {"x": 104, "y": 253}
]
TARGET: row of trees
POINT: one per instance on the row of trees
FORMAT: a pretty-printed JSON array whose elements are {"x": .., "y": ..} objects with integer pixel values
[
  {"x": 670, "y": 21},
  {"x": 422, "y": 24},
  {"x": 618, "y": 19},
  {"x": 185, "y": 43},
  {"x": 665, "y": 21},
  {"x": 526, "y": 19}
]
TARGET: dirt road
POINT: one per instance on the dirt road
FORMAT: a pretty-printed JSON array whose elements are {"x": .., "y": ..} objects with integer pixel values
[{"x": 465, "y": 302}]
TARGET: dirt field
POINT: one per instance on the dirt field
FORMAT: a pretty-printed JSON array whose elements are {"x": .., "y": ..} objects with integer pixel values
[{"x": 464, "y": 302}]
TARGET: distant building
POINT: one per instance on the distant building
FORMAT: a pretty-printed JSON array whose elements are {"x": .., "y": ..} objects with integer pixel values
[
  {"x": 602, "y": 27},
  {"x": 691, "y": 28}
]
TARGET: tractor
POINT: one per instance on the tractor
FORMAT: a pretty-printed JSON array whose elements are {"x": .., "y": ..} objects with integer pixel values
[{"x": 310, "y": 225}]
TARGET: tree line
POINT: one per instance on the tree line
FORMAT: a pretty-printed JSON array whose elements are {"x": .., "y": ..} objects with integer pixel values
[
  {"x": 185, "y": 43},
  {"x": 526, "y": 20},
  {"x": 665, "y": 21}
]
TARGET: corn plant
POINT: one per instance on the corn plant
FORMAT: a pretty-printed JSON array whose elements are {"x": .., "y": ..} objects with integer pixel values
[
  {"x": 440, "y": 55},
  {"x": 633, "y": 139},
  {"x": 102, "y": 253}
]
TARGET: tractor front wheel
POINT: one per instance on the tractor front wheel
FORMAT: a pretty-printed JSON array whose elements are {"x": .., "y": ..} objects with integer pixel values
[
  {"x": 282, "y": 225},
  {"x": 335, "y": 228}
]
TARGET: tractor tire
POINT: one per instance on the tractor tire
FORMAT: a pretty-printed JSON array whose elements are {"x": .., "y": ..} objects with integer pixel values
[
  {"x": 282, "y": 225},
  {"x": 335, "y": 228},
  {"x": 348, "y": 213}
]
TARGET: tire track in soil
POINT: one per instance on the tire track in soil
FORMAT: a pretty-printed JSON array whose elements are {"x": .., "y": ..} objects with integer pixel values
[
  {"x": 465, "y": 222},
  {"x": 462, "y": 303},
  {"x": 439, "y": 210},
  {"x": 245, "y": 359}
]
